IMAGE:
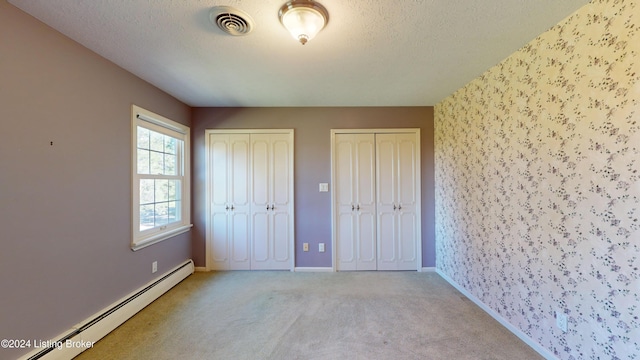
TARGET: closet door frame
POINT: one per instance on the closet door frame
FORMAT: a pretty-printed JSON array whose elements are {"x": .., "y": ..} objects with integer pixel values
[
  {"x": 208, "y": 191},
  {"x": 334, "y": 211}
]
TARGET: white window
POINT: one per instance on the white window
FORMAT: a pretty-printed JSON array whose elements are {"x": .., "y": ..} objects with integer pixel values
[{"x": 160, "y": 186}]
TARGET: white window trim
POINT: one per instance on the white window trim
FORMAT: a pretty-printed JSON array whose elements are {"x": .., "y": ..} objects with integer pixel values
[{"x": 142, "y": 239}]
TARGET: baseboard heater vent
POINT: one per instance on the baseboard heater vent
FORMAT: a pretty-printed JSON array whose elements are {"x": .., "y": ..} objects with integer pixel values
[{"x": 100, "y": 324}]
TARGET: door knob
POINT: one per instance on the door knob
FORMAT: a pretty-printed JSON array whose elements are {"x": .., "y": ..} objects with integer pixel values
[{"x": 273, "y": 206}]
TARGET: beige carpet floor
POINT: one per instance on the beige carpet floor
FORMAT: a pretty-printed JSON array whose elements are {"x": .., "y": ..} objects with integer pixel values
[{"x": 285, "y": 315}]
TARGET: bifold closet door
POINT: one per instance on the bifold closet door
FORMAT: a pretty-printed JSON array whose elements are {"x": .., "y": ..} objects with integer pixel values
[
  {"x": 271, "y": 204},
  {"x": 230, "y": 203},
  {"x": 355, "y": 197},
  {"x": 396, "y": 195}
]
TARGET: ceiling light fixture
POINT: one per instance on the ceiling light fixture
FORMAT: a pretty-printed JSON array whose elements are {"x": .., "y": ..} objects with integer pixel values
[{"x": 303, "y": 18}]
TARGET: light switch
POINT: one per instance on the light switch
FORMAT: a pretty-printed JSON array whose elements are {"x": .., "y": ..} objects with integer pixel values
[{"x": 324, "y": 187}]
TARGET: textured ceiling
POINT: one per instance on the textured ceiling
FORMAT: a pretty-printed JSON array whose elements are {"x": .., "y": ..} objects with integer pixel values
[{"x": 372, "y": 52}]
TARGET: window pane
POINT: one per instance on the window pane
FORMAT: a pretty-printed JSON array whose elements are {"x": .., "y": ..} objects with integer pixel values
[
  {"x": 157, "y": 141},
  {"x": 173, "y": 211},
  {"x": 146, "y": 217},
  {"x": 143, "y": 138},
  {"x": 172, "y": 190},
  {"x": 161, "y": 213},
  {"x": 157, "y": 163},
  {"x": 162, "y": 190},
  {"x": 147, "y": 190},
  {"x": 170, "y": 164},
  {"x": 170, "y": 145},
  {"x": 143, "y": 161},
  {"x": 178, "y": 189}
]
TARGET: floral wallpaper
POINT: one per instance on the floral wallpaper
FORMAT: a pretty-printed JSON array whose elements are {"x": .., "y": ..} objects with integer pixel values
[{"x": 538, "y": 185}]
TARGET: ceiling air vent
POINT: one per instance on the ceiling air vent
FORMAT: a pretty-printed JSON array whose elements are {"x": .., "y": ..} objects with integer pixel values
[{"x": 232, "y": 21}]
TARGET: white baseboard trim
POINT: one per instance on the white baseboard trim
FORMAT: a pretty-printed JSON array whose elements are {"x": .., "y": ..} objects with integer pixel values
[
  {"x": 200, "y": 269},
  {"x": 313, "y": 269},
  {"x": 83, "y": 335},
  {"x": 429, "y": 269},
  {"x": 517, "y": 332}
]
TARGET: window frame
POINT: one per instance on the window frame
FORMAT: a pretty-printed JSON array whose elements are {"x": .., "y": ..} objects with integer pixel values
[{"x": 146, "y": 119}]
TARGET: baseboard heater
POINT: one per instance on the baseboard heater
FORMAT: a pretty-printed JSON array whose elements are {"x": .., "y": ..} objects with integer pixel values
[{"x": 100, "y": 324}]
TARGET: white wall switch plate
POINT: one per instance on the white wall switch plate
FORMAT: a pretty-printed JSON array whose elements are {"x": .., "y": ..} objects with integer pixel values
[
  {"x": 324, "y": 187},
  {"x": 154, "y": 267},
  {"x": 305, "y": 247},
  {"x": 321, "y": 247}
]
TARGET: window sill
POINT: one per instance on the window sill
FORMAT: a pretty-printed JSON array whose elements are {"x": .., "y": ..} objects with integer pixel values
[{"x": 143, "y": 243}]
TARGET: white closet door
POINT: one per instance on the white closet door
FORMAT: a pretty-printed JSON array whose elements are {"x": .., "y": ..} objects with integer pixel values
[
  {"x": 397, "y": 201},
  {"x": 387, "y": 176},
  {"x": 230, "y": 206},
  {"x": 281, "y": 202},
  {"x": 271, "y": 203},
  {"x": 240, "y": 210},
  {"x": 355, "y": 197},
  {"x": 408, "y": 197}
]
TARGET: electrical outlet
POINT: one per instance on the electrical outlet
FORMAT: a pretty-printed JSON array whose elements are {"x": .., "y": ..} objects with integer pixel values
[
  {"x": 321, "y": 247},
  {"x": 305, "y": 247},
  {"x": 154, "y": 267},
  {"x": 561, "y": 320}
]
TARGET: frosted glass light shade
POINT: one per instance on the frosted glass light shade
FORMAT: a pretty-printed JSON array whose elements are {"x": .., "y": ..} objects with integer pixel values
[{"x": 303, "y": 19}]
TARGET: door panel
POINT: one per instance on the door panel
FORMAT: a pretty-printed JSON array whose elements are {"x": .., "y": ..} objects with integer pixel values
[
  {"x": 219, "y": 164},
  {"x": 365, "y": 172},
  {"x": 260, "y": 216},
  {"x": 281, "y": 241},
  {"x": 260, "y": 240},
  {"x": 386, "y": 170},
  {"x": 386, "y": 240},
  {"x": 407, "y": 197},
  {"x": 219, "y": 235},
  {"x": 345, "y": 235},
  {"x": 260, "y": 171},
  {"x": 240, "y": 207},
  {"x": 365, "y": 202},
  {"x": 367, "y": 241},
  {"x": 239, "y": 241},
  {"x": 387, "y": 188},
  {"x": 407, "y": 155},
  {"x": 239, "y": 181},
  {"x": 219, "y": 222},
  {"x": 344, "y": 167},
  {"x": 280, "y": 170},
  {"x": 345, "y": 197},
  {"x": 408, "y": 238}
]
